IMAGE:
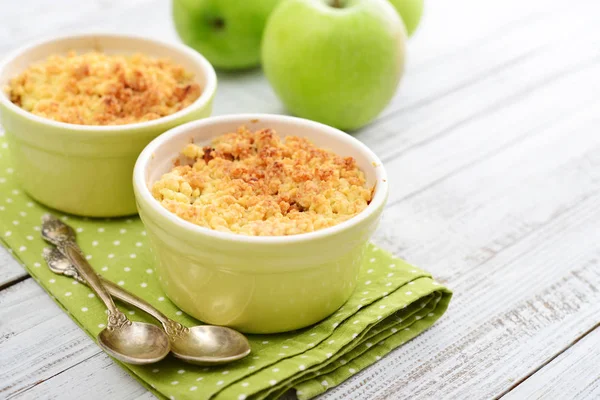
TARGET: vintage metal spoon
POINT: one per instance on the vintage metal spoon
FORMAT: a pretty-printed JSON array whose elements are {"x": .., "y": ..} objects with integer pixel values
[
  {"x": 129, "y": 342},
  {"x": 202, "y": 345}
]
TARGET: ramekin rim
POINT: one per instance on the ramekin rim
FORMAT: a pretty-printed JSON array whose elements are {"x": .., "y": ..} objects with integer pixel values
[
  {"x": 142, "y": 192},
  {"x": 208, "y": 91}
]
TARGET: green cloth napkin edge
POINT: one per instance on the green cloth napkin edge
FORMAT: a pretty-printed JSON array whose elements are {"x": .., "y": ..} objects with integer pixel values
[
  {"x": 312, "y": 388},
  {"x": 439, "y": 307}
]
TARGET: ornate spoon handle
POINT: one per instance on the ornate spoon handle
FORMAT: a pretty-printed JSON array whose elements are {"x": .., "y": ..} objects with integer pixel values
[
  {"x": 63, "y": 237},
  {"x": 172, "y": 328},
  {"x": 72, "y": 252},
  {"x": 60, "y": 264}
]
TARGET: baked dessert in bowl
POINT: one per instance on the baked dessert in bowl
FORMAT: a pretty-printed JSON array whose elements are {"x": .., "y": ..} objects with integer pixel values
[
  {"x": 259, "y": 222},
  {"x": 78, "y": 110}
]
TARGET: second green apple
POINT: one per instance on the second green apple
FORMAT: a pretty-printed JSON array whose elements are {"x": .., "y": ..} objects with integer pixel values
[
  {"x": 410, "y": 11},
  {"x": 226, "y": 32},
  {"x": 334, "y": 61}
]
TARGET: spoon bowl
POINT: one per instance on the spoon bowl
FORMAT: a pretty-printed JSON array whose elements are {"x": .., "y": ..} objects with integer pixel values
[
  {"x": 210, "y": 345},
  {"x": 135, "y": 343},
  {"x": 200, "y": 345}
]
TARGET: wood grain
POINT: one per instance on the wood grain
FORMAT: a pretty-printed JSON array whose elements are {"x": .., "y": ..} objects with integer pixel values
[
  {"x": 575, "y": 374},
  {"x": 10, "y": 270},
  {"x": 88, "y": 378},
  {"x": 38, "y": 340},
  {"x": 494, "y": 160}
]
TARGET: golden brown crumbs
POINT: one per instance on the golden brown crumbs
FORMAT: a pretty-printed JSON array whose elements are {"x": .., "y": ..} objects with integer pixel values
[
  {"x": 255, "y": 183},
  {"x": 99, "y": 89}
]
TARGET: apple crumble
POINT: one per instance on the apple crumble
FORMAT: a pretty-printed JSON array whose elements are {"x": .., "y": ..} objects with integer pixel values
[
  {"x": 255, "y": 183},
  {"x": 100, "y": 89}
]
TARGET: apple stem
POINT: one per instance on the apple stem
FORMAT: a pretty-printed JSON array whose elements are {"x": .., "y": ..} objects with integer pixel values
[
  {"x": 218, "y": 23},
  {"x": 337, "y": 4}
]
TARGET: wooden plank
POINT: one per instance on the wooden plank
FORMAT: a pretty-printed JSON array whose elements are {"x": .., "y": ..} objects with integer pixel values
[
  {"x": 10, "y": 270},
  {"x": 473, "y": 141},
  {"x": 86, "y": 380},
  {"x": 147, "y": 396},
  {"x": 575, "y": 374},
  {"x": 56, "y": 17}
]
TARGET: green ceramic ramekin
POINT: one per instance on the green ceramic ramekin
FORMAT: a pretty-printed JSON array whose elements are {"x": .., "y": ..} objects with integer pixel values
[
  {"x": 86, "y": 170},
  {"x": 256, "y": 284}
]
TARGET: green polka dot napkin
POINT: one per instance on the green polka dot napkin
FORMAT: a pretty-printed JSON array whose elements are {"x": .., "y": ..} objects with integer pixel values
[{"x": 392, "y": 303}]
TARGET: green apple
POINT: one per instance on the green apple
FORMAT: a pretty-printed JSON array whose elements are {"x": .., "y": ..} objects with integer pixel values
[
  {"x": 410, "y": 11},
  {"x": 334, "y": 61},
  {"x": 226, "y": 32}
]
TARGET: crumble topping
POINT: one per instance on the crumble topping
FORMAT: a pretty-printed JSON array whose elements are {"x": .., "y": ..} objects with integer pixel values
[
  {"x": 99, "y": 89},
  {"x": 255, "y": 183}
]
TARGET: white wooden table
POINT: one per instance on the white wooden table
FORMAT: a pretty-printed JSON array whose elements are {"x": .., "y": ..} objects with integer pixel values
[{"x": 493, "y": 148}]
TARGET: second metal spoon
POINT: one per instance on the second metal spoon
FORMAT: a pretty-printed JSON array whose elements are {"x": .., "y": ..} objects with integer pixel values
[{"x": 201, "y": 345}]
